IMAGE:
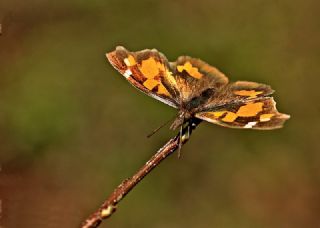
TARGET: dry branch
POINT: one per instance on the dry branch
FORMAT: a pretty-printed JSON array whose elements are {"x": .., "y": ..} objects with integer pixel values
[{"x": 109, "y": 206}]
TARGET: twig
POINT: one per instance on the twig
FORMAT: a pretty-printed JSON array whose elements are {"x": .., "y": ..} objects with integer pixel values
[{"x": 109, "y": 206}]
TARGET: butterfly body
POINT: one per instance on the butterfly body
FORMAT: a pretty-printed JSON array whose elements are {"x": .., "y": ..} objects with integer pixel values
[{"x": 198, "y": 90}]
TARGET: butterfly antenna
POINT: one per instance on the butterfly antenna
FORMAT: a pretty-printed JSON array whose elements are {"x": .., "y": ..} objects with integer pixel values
[
  {"x": 180, "y": 142},
  {"x": 158, "y": 128}
]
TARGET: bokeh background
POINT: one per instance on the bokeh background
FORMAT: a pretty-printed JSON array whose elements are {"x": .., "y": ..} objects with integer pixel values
[{"x": 72, "y": 128}]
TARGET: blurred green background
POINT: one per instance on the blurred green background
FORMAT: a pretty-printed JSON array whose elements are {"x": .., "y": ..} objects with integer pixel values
[{"x": 71, "y": 127}]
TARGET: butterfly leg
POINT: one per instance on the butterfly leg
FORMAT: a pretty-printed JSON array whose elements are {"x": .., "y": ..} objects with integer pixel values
[{"x": 185, "y": 132}]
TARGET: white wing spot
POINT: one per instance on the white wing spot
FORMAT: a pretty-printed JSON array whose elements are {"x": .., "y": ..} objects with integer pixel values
[
  {"x": 127, "y": 73},
  {"x": 250, "y": 124},
  {"x": 126, "y": 61}
]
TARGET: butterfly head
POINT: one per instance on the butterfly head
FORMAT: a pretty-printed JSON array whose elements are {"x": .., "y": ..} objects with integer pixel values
[{"x": 182, "y": 117}]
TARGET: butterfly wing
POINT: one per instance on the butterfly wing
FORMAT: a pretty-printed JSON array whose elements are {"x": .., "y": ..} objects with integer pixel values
[
  {"x": 173, "y": 83},
  {"x": 199, "y": 88},
  {"x": 146, "y": 70},
  {"x": 258, "y": 113},
  {"x": 240, "y": 91},
  {"x": 194, "y": 76}
]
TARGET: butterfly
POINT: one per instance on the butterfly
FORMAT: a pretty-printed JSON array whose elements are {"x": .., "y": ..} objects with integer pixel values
[{"x": 198, "y": 90}]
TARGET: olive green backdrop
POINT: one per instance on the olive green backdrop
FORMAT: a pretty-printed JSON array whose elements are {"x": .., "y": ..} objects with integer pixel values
[{"x": 71, "y": 127}]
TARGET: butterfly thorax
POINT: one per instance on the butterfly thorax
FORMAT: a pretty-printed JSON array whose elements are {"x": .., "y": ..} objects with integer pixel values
[{"x": 188, "y": 108}]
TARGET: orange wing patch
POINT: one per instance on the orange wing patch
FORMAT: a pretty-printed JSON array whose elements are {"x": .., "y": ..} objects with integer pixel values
[
  {"x": 230, "y": 117},
  {"x": 266, "y": 117},
  {"x": 150, "y": 83},
  {"x": 248, "y": 93},
  {"x": 192, "y": 71},
  {"x": 163, "y": 90},
  {"x": 251, "y": 109},
  {"x": 152, "y": 70},
  {"x": 149, "y": 68},
  {"x": 217, "y": 114}
]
